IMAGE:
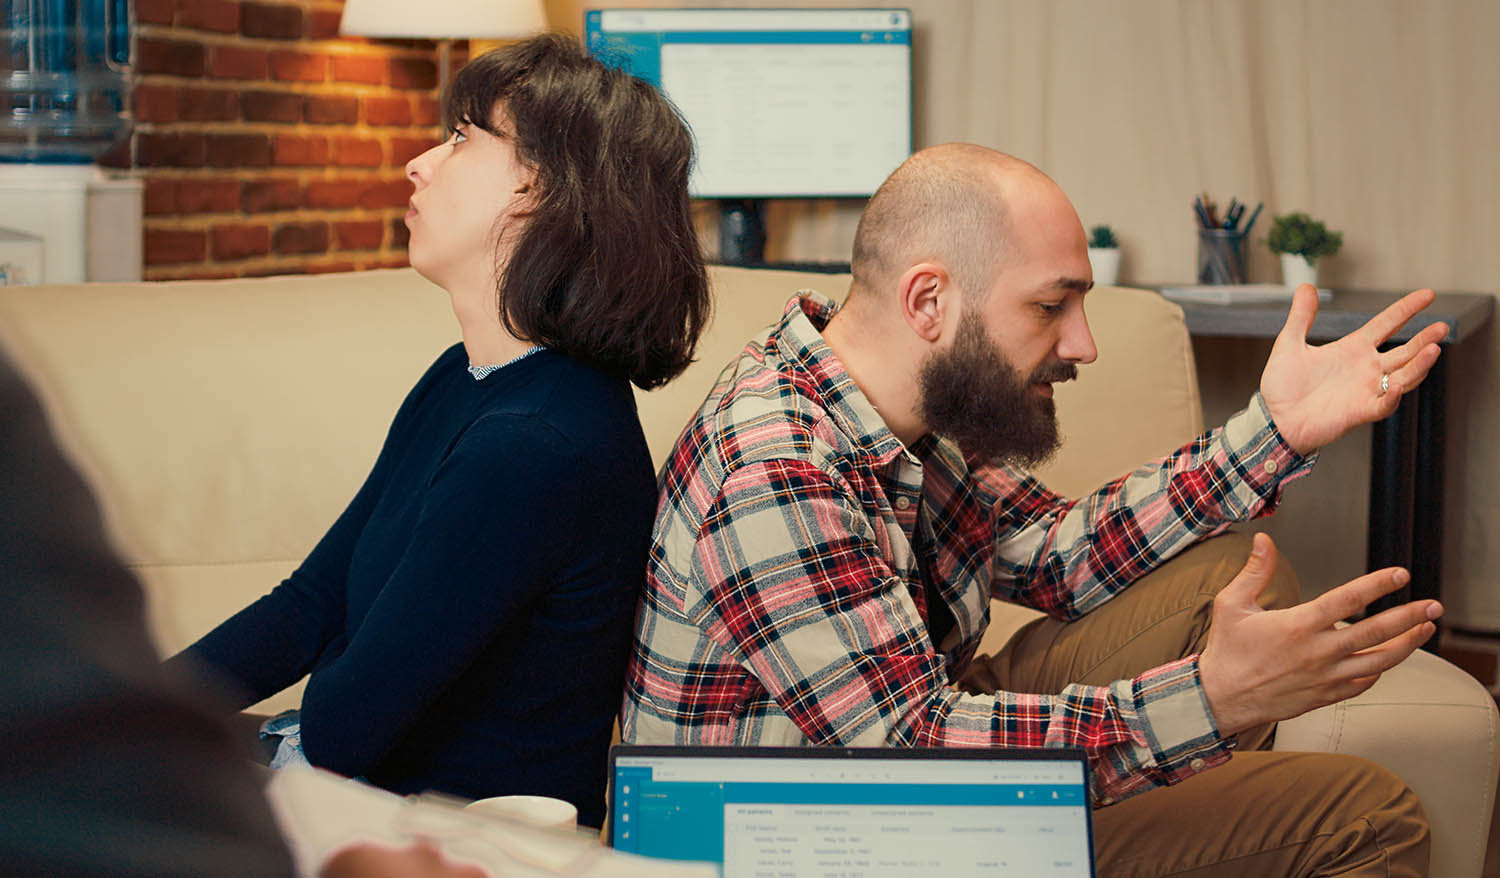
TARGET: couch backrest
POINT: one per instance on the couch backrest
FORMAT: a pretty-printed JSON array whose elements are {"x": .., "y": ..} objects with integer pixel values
[{"x": 225, "y": 424}]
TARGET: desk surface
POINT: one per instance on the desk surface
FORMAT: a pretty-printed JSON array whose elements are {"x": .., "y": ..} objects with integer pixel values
[{"x": 1465, "y": 314}]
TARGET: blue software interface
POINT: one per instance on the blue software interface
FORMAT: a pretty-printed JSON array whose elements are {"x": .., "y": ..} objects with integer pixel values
[
  {"x": 855, "y": 817},
  {"x": 782, "y": 102}
]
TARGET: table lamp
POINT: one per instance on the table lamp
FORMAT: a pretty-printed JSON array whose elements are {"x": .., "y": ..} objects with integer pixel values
[{"x": 444, "y": 21}]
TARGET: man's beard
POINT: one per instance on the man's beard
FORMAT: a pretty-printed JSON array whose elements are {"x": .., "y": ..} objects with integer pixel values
[{"x": 972, "y": 395}]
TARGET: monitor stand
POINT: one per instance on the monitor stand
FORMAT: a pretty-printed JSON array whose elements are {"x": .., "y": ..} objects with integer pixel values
[{"x": 742, "y": 232}]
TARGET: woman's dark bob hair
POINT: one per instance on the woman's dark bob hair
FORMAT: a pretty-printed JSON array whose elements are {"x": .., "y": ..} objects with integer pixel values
[{"x": 607, "y": 268}]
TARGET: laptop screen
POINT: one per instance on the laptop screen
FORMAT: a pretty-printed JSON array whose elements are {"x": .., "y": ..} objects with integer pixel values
[{"x": 836, "y": 811}]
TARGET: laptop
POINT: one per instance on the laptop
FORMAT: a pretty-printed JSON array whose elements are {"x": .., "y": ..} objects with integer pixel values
[{"x": 816, "y": 811}]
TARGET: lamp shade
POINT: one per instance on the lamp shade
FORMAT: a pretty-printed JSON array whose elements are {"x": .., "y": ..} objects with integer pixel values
[{"x": 434, "y": 19}]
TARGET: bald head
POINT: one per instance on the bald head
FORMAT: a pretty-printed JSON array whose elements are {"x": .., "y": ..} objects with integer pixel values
[{"x": 950, "y": 204}]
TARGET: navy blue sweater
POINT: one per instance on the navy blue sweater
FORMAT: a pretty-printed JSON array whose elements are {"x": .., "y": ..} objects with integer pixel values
[{"x": 467, "y": 620}]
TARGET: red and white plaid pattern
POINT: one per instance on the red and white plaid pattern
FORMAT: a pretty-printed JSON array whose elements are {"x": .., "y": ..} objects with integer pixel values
[{"x": 785, "y": 598}]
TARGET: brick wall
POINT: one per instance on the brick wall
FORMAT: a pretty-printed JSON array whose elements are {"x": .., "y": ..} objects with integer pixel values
[{"x": 269, "y": 145}]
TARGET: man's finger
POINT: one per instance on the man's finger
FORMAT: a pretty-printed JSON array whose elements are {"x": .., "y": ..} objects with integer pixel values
[
  {"x": 1384, "y": 325},
  {"x": 1247, "y": 585},
  {"x": 1386, "y": 656},
  {"x": 1410, "y": 374},
  {"x": 1413, "y": 347},
  {"x": 1351, "y": 597},
  {"x": 1388, "y": 624}
]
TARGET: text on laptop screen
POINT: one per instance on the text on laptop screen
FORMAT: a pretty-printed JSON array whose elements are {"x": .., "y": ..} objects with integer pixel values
[
  {"x": 865, "y": 817},
  {"x": 781, "y": 102}
]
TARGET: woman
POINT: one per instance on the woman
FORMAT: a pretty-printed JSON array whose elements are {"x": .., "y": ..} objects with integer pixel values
[{"x": 466, "y": 621}]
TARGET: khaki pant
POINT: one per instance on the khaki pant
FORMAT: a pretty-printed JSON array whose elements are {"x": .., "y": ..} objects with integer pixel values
[{"x": 1260, "y": 814}]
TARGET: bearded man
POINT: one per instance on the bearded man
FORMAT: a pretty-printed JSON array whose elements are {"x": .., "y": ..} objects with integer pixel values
[{"x": 836, "y": 518}]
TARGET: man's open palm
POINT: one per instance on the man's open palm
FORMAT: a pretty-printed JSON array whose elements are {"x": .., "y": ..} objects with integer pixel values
[{"x": 1316, "y": 394}]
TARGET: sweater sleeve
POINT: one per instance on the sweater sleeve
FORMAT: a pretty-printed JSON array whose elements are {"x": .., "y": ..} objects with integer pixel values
[{"x": 496, "y": 522}]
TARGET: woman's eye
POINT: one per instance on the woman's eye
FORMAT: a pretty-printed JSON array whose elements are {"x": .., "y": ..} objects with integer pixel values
[{"x": 458, "y": 137}]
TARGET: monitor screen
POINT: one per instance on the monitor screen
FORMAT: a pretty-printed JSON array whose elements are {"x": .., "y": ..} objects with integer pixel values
[
  {"x": 823, "y": 811},
  {"x": 781, "y": 102}
]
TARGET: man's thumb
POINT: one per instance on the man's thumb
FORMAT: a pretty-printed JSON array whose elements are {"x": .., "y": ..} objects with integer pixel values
[{"x": 1253, "y": 578}]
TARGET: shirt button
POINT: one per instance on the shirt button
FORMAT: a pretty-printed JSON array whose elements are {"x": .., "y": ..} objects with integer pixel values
[
  {"x": 1271, "y": 466},
  {"x": 1197, "y": 765},
  {"x": 903, "y": 502}
]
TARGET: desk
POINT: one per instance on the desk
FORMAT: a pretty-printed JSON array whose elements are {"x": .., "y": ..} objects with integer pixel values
[{"x": 1406, "y": 476}]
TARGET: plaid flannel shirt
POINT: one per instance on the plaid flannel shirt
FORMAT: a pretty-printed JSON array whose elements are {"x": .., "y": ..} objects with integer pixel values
[{"x": 786, "y": 600}]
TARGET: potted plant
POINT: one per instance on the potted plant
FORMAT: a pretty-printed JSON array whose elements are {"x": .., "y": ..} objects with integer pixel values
[
  {"x": 1301, "y": 241},
  {"x": 1104, "y": 255}
]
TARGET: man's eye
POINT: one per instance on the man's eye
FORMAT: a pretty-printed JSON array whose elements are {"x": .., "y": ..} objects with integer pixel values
[{"x": 1051, "y": 307}]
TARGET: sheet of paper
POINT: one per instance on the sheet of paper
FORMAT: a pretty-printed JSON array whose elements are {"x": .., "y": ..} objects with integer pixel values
[{"x": 320, "y": 812}]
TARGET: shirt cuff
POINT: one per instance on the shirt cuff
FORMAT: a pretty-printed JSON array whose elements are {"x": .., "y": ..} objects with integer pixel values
[
  {"x": 1176, "y": 736},
  {"x": 1259, "y": 453}
]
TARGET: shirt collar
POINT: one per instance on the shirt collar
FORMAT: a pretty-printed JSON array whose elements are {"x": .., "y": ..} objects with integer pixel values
[{"x": 798, "y": 339}]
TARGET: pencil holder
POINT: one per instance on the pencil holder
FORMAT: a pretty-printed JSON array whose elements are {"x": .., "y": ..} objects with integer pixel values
[{"x": 1221, "y": 256}]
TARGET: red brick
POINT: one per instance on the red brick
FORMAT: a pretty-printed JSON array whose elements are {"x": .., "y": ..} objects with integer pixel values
[
  {"x": 386, "y": 110},
  {"x": 271, "y": 21},
  {"x": 395, "y": 193},
  {"x": 220, "y": 16},
  {"x": 234, "y": 62},
  {"x": 404, "y": 149},
  {"x": 322, "y": 24},
  {"x": 240, "y": 241},
  {"x": 154, "y": 11},
  {"x": 328, "y": 267},
  {"x": 365, "y": 69},
  {"x": 400, "y": 234},
  {"x": 288, "y": 66},
  {"x": 359, "y": 234},
  {"x": 331, "y": 110},
  {"x": 155, "y": 102},
  {"x": 417, "y": 73},
  {"x": 170, "y": 150},
  {"x": 159, "y": 197},
  {"x": 208, "y": 105},
  {"x": 333, "y": 193},
  {"x": 302, "y": 238},
  {"x": 271, "y": 106},
  {"x": 264, "y": 196},
  {"x": 295, "y": 150},
  {"x": 208, "y": 196},
  {"x": 117, "y": 156},
  {"x": 174, "y": 57},
  {"x": 427, "y": 113},
  {"x": 239, "y": 150},
  {"x": 357, "y": 152},
  {"x": 172, "y": 246}
]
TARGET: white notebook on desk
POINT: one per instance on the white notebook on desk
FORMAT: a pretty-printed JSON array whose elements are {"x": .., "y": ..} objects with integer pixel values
[{"x": 1235, "y": 294}]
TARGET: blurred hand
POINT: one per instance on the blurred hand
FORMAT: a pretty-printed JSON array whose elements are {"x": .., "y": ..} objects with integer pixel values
[
  {"x": 1262, "y": 666},
  {"x": 421, "y": 860},
  {"x": 1316, "y": 394}
]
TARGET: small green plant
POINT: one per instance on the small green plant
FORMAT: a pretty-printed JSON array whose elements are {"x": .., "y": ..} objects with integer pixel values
[
  {"x": 1102, "y": 238},
  {"x": 1306, "y": 237}
]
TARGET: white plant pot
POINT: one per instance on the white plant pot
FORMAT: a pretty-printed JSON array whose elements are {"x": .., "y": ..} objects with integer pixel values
[
  {"x": 1105, "y": 262},
  {"x": 1295, "y": 271}
]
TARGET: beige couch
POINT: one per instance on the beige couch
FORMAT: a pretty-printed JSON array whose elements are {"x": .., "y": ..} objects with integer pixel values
[{"x": 225, "y": 425}]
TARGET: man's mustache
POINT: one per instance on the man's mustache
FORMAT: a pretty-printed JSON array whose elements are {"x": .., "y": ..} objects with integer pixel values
[{"x": 1052, "y": 373}]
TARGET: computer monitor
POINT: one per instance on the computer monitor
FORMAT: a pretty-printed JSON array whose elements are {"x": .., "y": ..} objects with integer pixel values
[{"x": 782, "y": 102}]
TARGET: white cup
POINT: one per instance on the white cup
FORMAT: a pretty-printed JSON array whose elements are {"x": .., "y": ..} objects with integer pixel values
[{"x": 539, "y": 811}]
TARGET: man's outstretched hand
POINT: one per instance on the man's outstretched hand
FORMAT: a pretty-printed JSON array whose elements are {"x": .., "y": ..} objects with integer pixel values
[
  {"x": 1262, "y": 666},
  {"x": 1316, "y": 394}
]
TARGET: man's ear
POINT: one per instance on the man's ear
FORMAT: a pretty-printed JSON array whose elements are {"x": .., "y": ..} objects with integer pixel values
[{"x": 926, "y": 292}]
